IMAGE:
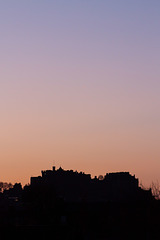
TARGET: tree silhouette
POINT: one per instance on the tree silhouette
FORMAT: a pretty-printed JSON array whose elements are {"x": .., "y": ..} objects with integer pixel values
[
  {"x": 155, "y": 188},
  {"x": 5, "y": 186}
]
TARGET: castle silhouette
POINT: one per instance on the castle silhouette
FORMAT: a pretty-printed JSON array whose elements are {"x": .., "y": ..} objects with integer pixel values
[
  {"x": 66, "y": 204},
  {"x": 77, "y": 186}
]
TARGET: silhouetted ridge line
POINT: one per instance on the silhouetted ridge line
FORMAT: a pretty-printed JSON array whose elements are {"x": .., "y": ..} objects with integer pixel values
[
  {"x": 72, "y": 205},
  {"x": 77, "y": 186}
]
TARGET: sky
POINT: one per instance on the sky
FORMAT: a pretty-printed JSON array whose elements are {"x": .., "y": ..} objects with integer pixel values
[{"x": 79, "y": 87}]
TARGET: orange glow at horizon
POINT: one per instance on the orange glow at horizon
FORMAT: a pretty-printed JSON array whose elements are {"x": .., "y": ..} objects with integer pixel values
[{"x": 79, "y": 87}]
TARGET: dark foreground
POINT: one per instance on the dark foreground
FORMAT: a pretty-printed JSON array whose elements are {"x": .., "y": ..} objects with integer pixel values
[
  {"x": 70, "y": 205},
  {"x": 82, "y": 221}
]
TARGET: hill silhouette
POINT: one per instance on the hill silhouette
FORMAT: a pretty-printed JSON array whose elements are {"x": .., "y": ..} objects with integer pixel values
[
  {"x": 78, "y": 186},
  {"x": 62, "y": 204}
]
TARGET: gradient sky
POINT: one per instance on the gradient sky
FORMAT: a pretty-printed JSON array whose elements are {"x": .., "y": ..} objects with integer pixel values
[{"x": 79, "y": 87}]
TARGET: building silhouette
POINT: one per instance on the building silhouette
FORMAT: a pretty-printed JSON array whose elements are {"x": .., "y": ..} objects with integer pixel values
[
  {"x": 66, "y": 204},
  {"x": 77, "y": 186}
]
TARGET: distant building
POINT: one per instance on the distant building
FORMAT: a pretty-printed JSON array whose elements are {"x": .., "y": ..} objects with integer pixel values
[{"x": 78, "y": 186}]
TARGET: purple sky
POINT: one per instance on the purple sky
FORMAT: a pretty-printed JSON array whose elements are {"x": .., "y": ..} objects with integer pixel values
[{"x": 80, "y": 87}]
